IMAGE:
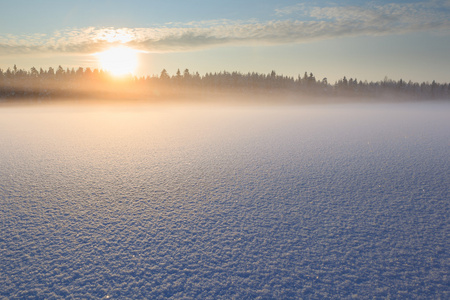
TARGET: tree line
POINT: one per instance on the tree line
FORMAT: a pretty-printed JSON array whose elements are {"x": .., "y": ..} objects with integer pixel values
[{"x": 86, "y": 82}]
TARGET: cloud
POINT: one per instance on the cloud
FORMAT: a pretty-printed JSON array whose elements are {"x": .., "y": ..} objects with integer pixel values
[
  {"x": 322, "y": 23},
  {"x": 293, "y": 9}
]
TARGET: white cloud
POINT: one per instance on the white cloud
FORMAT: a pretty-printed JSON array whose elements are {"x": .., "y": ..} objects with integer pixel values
[
  {"x": 289, "y": 10},
  {"x": 323, "y": 23}
]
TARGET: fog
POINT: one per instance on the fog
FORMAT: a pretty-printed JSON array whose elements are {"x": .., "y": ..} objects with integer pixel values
[{"x": 220, "y": 201}]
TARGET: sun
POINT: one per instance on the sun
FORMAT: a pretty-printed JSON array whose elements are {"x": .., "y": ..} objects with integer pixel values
[{"x": 119, "y": 61}]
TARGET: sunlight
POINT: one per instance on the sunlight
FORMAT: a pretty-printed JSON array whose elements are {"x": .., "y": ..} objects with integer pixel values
[{"x": 119, "y": 61}]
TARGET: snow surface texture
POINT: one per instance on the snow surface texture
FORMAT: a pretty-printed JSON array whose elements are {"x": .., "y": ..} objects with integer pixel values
[{"x": 215, "y": 202}]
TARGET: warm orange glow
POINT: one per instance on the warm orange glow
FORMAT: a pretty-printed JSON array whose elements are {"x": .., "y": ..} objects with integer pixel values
[{"x": 119, "y": 61}]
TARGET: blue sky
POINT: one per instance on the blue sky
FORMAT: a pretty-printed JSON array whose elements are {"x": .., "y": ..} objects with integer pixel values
[{"x": 362, "y": 39}]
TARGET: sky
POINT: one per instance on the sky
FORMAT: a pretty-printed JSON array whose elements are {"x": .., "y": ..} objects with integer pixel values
[{"x": 367, "y": 40}]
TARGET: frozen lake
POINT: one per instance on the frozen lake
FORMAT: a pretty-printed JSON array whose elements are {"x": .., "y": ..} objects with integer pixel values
[{"x": 215, "y": 202}]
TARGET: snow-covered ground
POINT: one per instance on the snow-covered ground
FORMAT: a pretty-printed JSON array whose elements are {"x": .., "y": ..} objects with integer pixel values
[{"x": 218, "y": 202}]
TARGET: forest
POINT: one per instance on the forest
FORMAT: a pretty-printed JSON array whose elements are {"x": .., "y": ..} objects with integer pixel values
[{"x": 60, "y": 83}]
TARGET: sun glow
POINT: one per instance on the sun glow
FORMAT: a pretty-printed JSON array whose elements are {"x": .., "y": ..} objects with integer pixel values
[{"x": 119, "y": 61}]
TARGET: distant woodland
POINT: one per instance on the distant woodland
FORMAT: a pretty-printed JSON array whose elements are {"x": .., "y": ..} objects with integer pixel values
[{"x": 34, "y": 84}]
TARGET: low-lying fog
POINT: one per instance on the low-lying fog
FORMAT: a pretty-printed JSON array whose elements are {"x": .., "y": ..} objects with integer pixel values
[{"x": 210, "y": 202}]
